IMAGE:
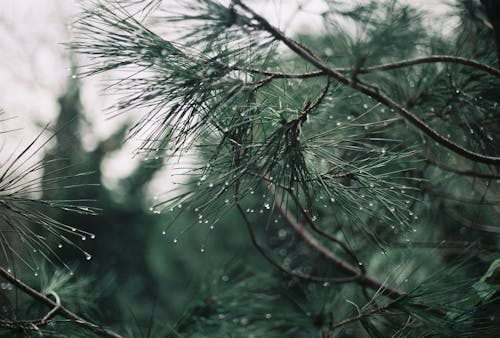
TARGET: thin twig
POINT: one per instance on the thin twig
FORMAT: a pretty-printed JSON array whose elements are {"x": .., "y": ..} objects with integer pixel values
[
  {"x": 319, "y": 248},
  {"x": 472, "y": 225},
  {"x": 470, "y": 173},
  {"x": 280, "y": 267},
  {"x": 362, "y": 316},
  {"x": 447, "y": 246},
  {"x": 323, "y": 233},
  {"x": 63, "y": 311},
  {"x": 389, "y": 66}
]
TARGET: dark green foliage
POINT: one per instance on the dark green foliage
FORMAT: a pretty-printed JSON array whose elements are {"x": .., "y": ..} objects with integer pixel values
[{"x": 364, "y": 171}]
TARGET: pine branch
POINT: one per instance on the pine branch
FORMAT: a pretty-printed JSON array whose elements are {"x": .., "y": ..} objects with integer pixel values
[
  {"x": 57, "y": 308},
  {"x": 384, "y": 67},
  {"x": 366, "y": 90}
]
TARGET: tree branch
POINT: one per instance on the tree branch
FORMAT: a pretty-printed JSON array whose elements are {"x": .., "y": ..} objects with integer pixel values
[
  {"x": 305, "y": 53},
  {"x": 319, "y": 248},
  {"x": 56, "y": 307}
]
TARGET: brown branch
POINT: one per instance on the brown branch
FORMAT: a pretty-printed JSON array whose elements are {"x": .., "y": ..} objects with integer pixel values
[
  {"x": 56, "y": 307},
  {"x": 362, "y": 316},
  {"x": 339, "y": 262},
  {"x": 279, "y": 266},
  {"x": 447, "y": 246},
  {"x": 431, "y": 59},
  {"x": 374, "y": 94},
  {"x": 472, "y": 225},
  {"x": 325, "y": 234},
  {"x": 388, "y": 66},
  {"x": 310, "y": 107},
  {"x": 470, "y": 173}
]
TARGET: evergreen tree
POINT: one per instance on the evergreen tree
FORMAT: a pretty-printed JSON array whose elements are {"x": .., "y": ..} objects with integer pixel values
[{"x": 363, "y": 166}]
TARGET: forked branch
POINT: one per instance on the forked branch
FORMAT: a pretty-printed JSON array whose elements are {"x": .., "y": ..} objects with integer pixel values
[
  {"x": 57, "y": 308},
  {"x": 307, "y": 55}
]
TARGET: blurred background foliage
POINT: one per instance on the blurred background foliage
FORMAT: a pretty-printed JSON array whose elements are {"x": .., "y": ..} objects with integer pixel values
[{"x": 155, "y": 272}]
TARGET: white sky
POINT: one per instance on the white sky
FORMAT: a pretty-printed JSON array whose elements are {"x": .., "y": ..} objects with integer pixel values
[{"x": 34, "y": 64}]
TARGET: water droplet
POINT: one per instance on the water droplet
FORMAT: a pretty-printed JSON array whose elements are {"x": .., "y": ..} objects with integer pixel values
[
  {"x": 269, "y": 316},
  {"x": 365, "y": 106},
  {"x": 74, "y": 76},
  {"x": 92, "y": 236},
  {"x": 282, "y": 233},
  {"x": 267, "y": 206},
  {"x": 163, "y": 232},
  {"x": 202, "y": 249},
  {"x": 175, "y": 240},
  {"x": 84, "y": 238},
  {"x": 88, "y": 257},
  {"x": 60, "y": 246}
]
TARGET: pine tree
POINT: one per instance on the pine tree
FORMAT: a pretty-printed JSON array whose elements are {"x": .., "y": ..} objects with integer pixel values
[{"x": 363, "y": 166}]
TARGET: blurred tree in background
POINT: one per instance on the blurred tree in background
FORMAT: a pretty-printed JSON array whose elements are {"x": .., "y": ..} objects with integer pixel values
[{"x": 362, "y": 164}]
